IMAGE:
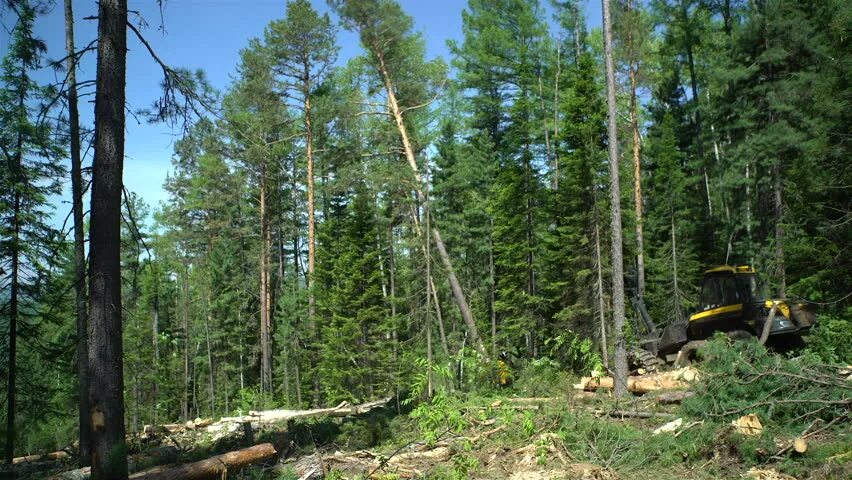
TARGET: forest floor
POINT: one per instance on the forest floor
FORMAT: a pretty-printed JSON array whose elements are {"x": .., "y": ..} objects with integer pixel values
[{"x": 544, "y": 428}]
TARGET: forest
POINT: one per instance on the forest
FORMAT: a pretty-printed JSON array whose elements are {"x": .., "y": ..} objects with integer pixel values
[{"x": 446, "y": 245}]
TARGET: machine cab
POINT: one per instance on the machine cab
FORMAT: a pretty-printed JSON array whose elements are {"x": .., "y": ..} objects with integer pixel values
[{"x": 727, "y": 286}]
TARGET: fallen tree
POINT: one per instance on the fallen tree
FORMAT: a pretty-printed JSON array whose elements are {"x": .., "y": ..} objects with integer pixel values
[{"x": 211, "y": 468}]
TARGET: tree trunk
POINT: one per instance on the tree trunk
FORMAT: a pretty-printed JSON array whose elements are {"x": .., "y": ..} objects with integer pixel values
[
  {"x": 217, "y": 467},
  {"x": 429, "y": 365},
  {"x": 458, "y": 293},
  {"x": 492, "y": 290},
  {"x": 440, "y": 317},
  {"x": 600, "y": 295},
  {"x": 106, "y": 388},
  {"x": 211, "y": 383},
  {"x": 265, "y": 363},
  {"x": 637, "y": 183},
  {"x": 779, "y": 234},
  {"x": 155, "y": 334},
  {"x": 185, "y": 400},
  {"x": 676, "y": 287},
  {"x": 13, "y": 307},
  {"x": 82, "y": 355},
  {"x": 615, "y": 200}
]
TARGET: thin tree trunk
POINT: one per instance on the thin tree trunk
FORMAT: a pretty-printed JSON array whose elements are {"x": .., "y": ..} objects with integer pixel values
[
  {"x": 309, "y": 154},
  {"x": 185, "y": 401},
  {"x": 430, "y": 379},
  {"x": 155, "y": 339},
  {"x": 13, "y": 313},
  {"x": 555, "y": 181},
  {"x": 210, "y": 371},
  {"x": 779, "y": 234},
  {"x": 492, "y": 289},
  {"x": 79, "y": 241},
  {"x": 440, "y": 317},
  {"x": 676, "y": 293},
  {"x": 637, "y": 181},
  {"x": 106, "y": 388},
  {"x": 615, "y": 205},
  {"x": 600, "y": 295},
  {"x": 265, "y": 363},
  {"x": 458, "y": 293}
]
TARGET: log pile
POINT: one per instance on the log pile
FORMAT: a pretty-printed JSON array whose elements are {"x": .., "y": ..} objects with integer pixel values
[{"x": 674, "y": 380}]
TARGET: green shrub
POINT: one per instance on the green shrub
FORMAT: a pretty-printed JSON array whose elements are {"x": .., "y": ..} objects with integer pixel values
[
  {"x": 743, "y": 377},
  {"x": 831, "y": 339}
]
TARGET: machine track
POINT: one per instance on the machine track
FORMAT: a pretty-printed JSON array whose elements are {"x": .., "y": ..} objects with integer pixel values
[{"x": 641, "y": 358}]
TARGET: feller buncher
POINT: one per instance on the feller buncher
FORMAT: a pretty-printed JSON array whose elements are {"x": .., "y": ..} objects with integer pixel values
[{"x": 732, "y": 302}]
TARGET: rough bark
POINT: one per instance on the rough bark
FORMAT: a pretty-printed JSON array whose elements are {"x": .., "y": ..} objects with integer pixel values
[
  {"x": 106, "y": 388},
  {"x": 82, "y": 355},
  {"x": 615, "y": 206}
]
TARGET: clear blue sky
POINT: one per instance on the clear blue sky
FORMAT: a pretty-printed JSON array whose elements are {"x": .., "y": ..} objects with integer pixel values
[{"x": 206, "y": 34}]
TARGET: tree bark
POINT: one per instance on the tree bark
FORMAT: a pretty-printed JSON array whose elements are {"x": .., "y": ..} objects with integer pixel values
[
  {"x": 430, "y": 379},
  {"x": 185, "y": 400},
  {"x": 79, "y": 239},
  {"x": 212, "y": 468},
  {"x": 13, "y": 303},
  {"x": 615, "y": 201},
  {"x": 600, "y": 295},
  {"x": 637, "y": 181},
  {"x": 265, "y": 352},
  {"x": 106, "y": 388}
]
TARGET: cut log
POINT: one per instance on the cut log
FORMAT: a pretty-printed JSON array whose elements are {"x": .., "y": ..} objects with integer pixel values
[
  {"x": 52, "y": 456},
  {"x": 211, "y": 468},
  {"x": 643, "y": 384},
  {"x": 800, "y": 445}
]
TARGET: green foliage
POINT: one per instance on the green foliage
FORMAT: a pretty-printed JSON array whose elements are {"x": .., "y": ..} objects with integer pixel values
[
  {"x": 831, "y": 339},
  {"x": 743, "y": 377},
  {"x": 438, "y": 416}
]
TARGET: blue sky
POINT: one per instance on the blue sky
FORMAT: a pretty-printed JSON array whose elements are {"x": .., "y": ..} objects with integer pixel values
[{"x": 206, "y": 34}]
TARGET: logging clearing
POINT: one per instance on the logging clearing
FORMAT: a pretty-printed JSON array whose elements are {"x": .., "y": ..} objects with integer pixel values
[{"x": 437, "y": 240}]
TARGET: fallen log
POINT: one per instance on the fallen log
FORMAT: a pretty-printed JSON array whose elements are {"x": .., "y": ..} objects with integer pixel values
[
  {"x": 212, "y": 468},
  {"x": 634, "y": 384},
  {"x": 47, "y": 457}
]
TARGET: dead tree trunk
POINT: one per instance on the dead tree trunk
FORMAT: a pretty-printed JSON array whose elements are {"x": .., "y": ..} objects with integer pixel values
[
  {"x": 615, "y": 206},
  {"x": 458, "y": 293},
  {"x": 106, "y": 388}
]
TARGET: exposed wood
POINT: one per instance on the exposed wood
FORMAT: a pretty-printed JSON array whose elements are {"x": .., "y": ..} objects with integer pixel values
[
  {"x": 767, "y": 324},
  {"x": 212, "y": 468},
  {"x": 640, "y": 384}
]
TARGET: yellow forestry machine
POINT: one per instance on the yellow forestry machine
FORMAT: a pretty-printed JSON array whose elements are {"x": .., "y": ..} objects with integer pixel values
[{"x": 732, "y": 302}]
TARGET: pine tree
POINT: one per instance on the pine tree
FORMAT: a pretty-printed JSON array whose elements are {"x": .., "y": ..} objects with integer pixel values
[{"x": 30, "y": 174}]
